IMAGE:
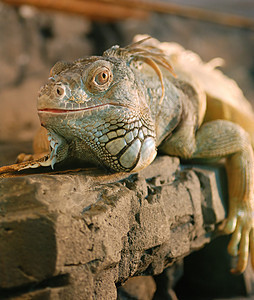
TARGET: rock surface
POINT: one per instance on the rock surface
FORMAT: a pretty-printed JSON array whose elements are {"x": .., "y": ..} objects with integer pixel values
[{"x": 78, "y": 235}]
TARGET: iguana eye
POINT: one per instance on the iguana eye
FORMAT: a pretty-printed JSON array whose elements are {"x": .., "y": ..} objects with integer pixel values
[
  {"x": 98, "y": 76},
  {"x": 102, "y": 76},
  {"x": 60, "y": 90}
]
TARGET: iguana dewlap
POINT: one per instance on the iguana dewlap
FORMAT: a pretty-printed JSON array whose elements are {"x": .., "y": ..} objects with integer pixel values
[{"x": 117, "y": 109}]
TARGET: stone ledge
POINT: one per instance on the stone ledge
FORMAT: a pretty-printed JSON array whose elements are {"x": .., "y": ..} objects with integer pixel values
[{"x": 69, "y": 235}]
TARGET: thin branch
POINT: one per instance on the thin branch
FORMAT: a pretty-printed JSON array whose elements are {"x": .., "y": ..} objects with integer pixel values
[{"x": 112, "y": 10}]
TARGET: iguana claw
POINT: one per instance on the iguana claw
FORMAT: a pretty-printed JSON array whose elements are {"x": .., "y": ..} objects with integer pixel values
[
  {"x": 242, "y": 228},
  {"x": 45, "y": 162},
  {"x": 11, "y": 170}
]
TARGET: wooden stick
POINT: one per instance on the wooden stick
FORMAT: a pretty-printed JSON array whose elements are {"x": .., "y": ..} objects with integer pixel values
[
  {"x": 186, "y": 11},
  {"x": 112, "y": 10},
  {"x": 100, "y": 11}
]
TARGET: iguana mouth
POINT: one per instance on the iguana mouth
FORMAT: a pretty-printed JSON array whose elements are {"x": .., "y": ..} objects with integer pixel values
[
  {"x": 65, "y": 111},
  {"x": 59, "y": 111}
]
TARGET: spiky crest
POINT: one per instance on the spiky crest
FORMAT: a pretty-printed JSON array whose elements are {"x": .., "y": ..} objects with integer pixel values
[{"x": 145, "y": 53}]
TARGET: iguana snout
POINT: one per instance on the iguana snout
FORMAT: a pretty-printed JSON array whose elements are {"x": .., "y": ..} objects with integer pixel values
[{"x": 97, "y": 106}]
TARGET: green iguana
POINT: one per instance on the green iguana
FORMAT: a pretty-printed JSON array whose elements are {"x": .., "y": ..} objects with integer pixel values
[{"x": 117, "y": 109}]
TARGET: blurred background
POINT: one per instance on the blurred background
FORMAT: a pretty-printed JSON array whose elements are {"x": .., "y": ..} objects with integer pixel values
[{"x": 34, "y": 34}]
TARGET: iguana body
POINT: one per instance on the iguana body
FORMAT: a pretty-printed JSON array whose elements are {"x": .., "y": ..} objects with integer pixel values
[{"x": 118, "y": 109}]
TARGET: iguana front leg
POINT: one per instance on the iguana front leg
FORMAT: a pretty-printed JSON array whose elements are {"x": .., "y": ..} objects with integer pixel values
[
  {"x": 59, "y": 151},
  {"x": 41, "y": 147},
  {"x": 218, "y": 139}
]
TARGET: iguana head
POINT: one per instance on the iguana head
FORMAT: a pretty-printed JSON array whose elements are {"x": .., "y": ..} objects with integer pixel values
[{"x": 100, "y": 101}]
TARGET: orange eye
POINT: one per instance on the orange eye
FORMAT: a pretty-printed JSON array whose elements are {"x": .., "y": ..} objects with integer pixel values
[
  {"x": 98, "y": 78},
  {"x": 102, "y": 77}
]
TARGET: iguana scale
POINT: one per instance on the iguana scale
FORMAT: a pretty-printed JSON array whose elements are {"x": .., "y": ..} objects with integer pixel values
[{"x": 117, "y": 109}]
